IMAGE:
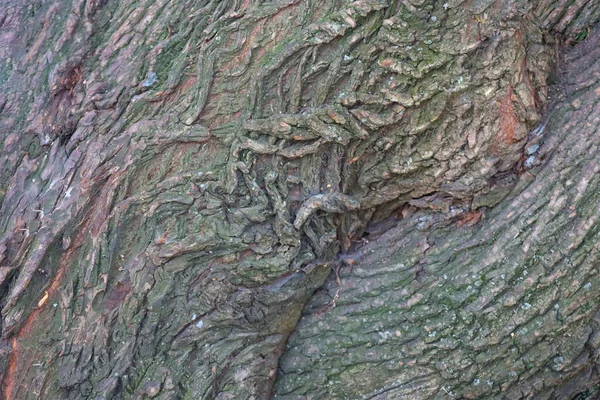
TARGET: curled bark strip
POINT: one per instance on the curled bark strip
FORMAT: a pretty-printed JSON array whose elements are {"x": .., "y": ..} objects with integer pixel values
[{"x": 329, "y": 202}]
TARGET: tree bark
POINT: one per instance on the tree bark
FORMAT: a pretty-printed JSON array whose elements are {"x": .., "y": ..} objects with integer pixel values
[
  {"x": 494, "y": 304},
  {"x": 184, "y": 184}
]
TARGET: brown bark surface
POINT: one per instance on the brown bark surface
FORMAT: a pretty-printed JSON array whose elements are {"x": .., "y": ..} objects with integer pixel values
[{"x": 177, "y": 178}]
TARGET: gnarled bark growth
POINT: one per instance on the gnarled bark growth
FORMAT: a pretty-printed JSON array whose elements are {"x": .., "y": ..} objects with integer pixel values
[
  {"x": 178, "y": 178},
  {"x": 441, "y": 306}
]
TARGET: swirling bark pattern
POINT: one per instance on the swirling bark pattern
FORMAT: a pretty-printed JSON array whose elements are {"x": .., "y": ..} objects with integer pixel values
[{"x": 178, "y": 177}]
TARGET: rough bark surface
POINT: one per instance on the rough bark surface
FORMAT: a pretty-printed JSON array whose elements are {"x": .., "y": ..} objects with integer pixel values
[
  {"x": 437, "y": 307},
  {"x": 177, "y": 178}
]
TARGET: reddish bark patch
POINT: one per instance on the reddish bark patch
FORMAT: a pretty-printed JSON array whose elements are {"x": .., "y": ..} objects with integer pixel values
[
  {"x": 116, "y": 295},
  {"x": 247, "y": 46},
  {"x": 190, "y": 82},
  {"x": 508, "y": 118},
  {"x": 70, "y": 78},
  {"x": 470, "y": 218},
  {"x": 9, "y": 381},
  {"x": 388, "y": 62}
]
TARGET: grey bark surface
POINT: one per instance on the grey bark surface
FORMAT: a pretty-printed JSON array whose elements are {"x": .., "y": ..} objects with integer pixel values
[{"x": 247, "y": 199}]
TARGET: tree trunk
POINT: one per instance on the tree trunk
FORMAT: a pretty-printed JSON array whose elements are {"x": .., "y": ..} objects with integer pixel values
[{"x": 308, "y": 200}]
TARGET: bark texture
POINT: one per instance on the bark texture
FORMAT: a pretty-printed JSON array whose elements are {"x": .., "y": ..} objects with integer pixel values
[
  {"x": 177, "y": 178},
  {"x": 505, "y": 308}
]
